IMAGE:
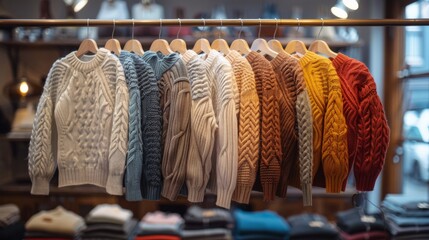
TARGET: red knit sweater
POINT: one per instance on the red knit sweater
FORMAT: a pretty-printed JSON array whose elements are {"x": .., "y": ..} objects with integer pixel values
[{"x": 368, "y": 131}]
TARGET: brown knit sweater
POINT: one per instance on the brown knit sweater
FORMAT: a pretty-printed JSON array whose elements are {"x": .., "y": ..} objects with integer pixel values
[
  {"x": 271, "y": 152},
  {"x": 248, "y": 127}
]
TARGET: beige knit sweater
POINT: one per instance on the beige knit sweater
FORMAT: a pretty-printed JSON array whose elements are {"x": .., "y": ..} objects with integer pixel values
[
  {"x": 81, "y": 124},
  {"x": 203, "y": 128},
  {"x": 248, "y": 127},
  {"x": 225, "y": 158}
]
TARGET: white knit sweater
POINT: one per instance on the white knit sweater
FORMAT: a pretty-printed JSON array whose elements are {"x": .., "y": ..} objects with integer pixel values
[{"x": 81, "y": 124}]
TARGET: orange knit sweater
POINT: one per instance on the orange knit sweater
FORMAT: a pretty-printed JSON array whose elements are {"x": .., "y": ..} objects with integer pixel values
[{"x": 329, "y": 125}]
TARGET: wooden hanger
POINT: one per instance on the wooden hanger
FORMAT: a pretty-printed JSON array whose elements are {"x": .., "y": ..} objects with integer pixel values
[
  {"x": 275, "y": 44},
  {"x": 320, "y": 46},
  {"x": 112, "y": 44},
  {"x": 178, "y": 44},
  {"x": 133, "y": 45},
  {"x": 202, "y": 44},
  {"x": 161, "y": 45},
  {"x": 260, "y": 45},
  {"x": 295, "y": 46},
  {"x": 220, "y": 44},
  {"x": 87, "y": 45},
  {"x": 240, "y": 45}
]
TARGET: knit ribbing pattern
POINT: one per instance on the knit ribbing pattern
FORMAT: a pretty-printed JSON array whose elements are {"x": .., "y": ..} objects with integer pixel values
[
  {"x": 84, "y": 105},
  {"x": 371, "y": 135},
  {"x": 329, "y": 126},
  {"x": 134, "y": 161},
  {"x": 203, "y": 127},
  {"x": 270, "y": 148},
  {"x": 248, "y": 127}
]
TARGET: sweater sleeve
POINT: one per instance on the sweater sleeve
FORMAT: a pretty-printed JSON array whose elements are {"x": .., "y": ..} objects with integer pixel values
[
  {"x": 373, "y": 132},
  {"x": 41, "y": 161},
  {"x": 119, "y": 135},
  {"x": 178, "y": 132},
  {"x": 227, "y": 148},
  {"x": 334, "y": 144}
]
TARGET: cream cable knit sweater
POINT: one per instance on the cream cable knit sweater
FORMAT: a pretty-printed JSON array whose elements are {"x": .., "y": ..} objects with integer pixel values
[
  {"x": 81, "y": 124},
  {"x": 203, "y": 127},
  {"x": 225, "y": 157}
]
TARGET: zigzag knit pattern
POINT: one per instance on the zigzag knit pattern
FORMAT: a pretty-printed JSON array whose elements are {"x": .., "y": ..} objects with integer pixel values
[
  {"x": 271, "y": 152},
  {"x": 248, "y": 127}
]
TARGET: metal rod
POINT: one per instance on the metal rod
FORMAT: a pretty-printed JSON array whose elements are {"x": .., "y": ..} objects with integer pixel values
[{"x": 213, "y": 22}]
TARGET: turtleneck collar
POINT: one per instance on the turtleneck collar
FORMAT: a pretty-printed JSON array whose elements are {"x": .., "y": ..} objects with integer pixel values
[{"x": 160, "y": 62}]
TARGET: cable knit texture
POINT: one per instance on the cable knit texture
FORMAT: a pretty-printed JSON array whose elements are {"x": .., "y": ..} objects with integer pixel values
[
  {"x": 81, "y": 124},
  {"x": 203, "y": 128},
  {"x": 270, "y": 148},
  {"x": 248, "y": 126},
  {"x": 366, "y": 121},
  {"x": 329, "y": 126},
  {"x": 296, "y": 127},
  {"x": 177, "y": 120},
  {"x": 225, "y": 158}
]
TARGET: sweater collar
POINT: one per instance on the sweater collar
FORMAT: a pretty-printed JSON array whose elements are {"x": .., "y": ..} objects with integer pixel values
[
  {"x": 210, "y": 58},
  {"x": 160, "y": 62},
  {"x": 88, "y": 62},
  {"x": 232, "y": 56},
  {"x": 189, "y": 55},
  {"x": 308, "y": 57},
  {"x": 280, "y": 59},
  {"x": 253, "y": 56},
  {"x": 340, "y": 60}
]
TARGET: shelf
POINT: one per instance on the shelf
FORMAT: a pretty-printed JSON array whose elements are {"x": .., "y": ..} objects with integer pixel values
[{"x": 17, "y": 136}]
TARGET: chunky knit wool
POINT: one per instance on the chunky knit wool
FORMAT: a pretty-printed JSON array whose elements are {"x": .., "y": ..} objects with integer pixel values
[
  {"x": 270, "y": 148},
  {"x": 366, "y": 121},
  {"x": 248, "y": 127},
  {"x": 203, "y": 128},
  {"x": 296, "y": 127},
  {"x": 329, "y": 126},
  {"x": 223, "y": 177},
  {"x": 81, "y": 124}
]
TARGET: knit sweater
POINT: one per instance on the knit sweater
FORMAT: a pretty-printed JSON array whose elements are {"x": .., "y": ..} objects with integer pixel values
[
  {"x": 81, "y": 124},
  {"x": 248, "y": 126},
  {"x": 368, "y": 131},
  {"x": 176, "y": 107},
  {"x": 270, "y": 143},
  {"x": 296, "y": 127},
  {"x": 329, "y": 126},
  {"x": 225, "y": 158},
  {"x": 203, "y": 127},
  {"x": 109, "y": 213}
]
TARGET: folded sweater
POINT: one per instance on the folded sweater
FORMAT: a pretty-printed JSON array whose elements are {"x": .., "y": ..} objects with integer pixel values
[
  {"x": 355, "y": 221},
  {"x": 264, "y": 223},
  {"x": 198, "y": 218},
  {"x": 109, "y": 213},
  {"x": 9, "y": 214},
  {"x": 311, "y": 226}
]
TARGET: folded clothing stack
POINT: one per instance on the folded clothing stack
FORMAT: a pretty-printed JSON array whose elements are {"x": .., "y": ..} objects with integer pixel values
[
  {"x": 160, "y": 226},
  {"x": 10, "y": 226},
  {"x": 109, "y": 221},
  {"x": 354, "y": 224},
  {"x": 58, "y": 224},
  {"x": 311, "y": 226},
  {"x": 265, "y": 225},
  {"x": 407, "y": 217},
  {"x": 207, "y": 224}
]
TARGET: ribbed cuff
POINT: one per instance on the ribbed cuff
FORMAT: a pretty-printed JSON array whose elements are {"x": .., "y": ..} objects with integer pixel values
[
  {"x": 40, "y": 186},
  {"x": 334, "y": 184},
  {"x": 195, "y": 195},
  {"x": 269, "y": 191},
  {"x": 153, "y": 192},
  {"x": 114, "y": 184},
  {"x": 307, "y": 197},
  {"x": 242, "y": 193},
  {"x": 224, "y": 199},
  {"x": 365, "y": 182},
  {"x": 170, "y": 190}
]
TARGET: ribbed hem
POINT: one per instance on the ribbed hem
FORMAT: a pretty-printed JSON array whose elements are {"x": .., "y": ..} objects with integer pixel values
[
  {"x": 224, "y": 199},
  {"x": 307, "y": 197},
  {"x": 114, "y": 184},
  {"x": 242, "y": 193},
  {"x": 153, "y": 192},
  {"x": 195, "y": 195},
  {"x": 366, "y": 182},
  {"x": 40, "y": 186},
  {"x": 269, "y": 191},
  {"x": 70, "y": 177},
  {"x": 334, "y": 184},
  {"x": 171, "y": 189}
]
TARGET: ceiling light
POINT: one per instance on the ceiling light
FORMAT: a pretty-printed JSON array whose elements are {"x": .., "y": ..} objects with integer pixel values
[
  {"x": 351, "y": 4},
  {"x": 339, "y": 11},
  {"x": 79, "y": 5}
]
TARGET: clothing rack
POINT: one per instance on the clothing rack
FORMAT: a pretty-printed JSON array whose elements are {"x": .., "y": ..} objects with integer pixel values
[{"x": 212, "y": 22}]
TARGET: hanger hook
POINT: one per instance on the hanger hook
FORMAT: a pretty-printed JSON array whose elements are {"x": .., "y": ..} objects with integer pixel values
[
  {"x": 180, "y": 27},
  {"x": 299, "y": 24},
  {"x": 323, "y": 24},
  {"x": 114, "y": 27},
  {"x": 132, "y": 30},
  {"x": 160, "y": 28},
  {"x": 87, "y": 28},
  {"x": 241, "y": 28},
  {"x": 277, "y": 26},
  {"x": 204, "y": 22},
  {"x": 260, "y": 26},
  {"x": 220, "y": 29}
]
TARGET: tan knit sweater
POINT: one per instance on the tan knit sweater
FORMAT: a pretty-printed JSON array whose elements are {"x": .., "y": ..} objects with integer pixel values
[
  {"x": 203, "y": 127},
  {"x": 248, "y": 127},
  {"x": 296, "y": 127},
  {"x": 271, "y": 152}
]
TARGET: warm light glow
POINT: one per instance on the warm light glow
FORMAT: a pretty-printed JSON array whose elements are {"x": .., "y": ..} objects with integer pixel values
[
  {"x": 23, "y": 88},
  {"x": 351, "y": 4},
  {"x": 339, "y": 12},
  {"x": 79, "y": 5}
]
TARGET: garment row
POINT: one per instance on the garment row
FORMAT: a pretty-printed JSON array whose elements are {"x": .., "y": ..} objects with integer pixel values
[{"x": 164, "y": 125}]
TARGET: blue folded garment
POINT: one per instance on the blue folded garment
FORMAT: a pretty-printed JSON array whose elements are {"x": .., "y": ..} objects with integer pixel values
[{"x": 264, "y": 223}]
